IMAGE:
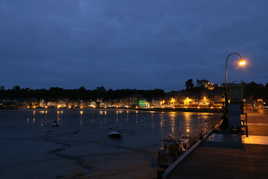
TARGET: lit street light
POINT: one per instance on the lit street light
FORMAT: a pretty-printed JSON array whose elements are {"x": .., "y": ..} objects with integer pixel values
[{"x": 241, "y": 63}]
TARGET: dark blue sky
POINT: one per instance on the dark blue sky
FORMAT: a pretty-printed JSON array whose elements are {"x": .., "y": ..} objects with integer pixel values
[{"x": 129, "y": 43}]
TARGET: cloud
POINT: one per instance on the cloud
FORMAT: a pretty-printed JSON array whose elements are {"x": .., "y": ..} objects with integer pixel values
[{"x": 155, "y": 43}]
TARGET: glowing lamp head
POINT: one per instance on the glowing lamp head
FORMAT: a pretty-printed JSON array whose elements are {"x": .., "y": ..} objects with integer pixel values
[{"x": 242, "y": 63}]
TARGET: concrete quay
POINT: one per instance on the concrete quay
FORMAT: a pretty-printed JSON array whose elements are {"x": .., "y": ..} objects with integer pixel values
[{"x": 230, "y": 156}]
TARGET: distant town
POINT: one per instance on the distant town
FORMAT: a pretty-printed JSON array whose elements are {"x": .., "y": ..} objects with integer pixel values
[{"x": 199, "y": 95}]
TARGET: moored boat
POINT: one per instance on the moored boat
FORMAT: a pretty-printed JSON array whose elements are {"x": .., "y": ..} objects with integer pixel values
[{"x": 114, "y": 134}]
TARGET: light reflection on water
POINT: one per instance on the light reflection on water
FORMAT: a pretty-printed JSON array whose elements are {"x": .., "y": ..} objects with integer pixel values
[
  {"x": 187, "y": 121},
  {"x": 159, "y": 123}
]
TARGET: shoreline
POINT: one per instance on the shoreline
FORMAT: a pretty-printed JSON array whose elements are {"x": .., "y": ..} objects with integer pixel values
[
  {"x": 206, "y": 110},
  {"x": 177, "y": 110}
]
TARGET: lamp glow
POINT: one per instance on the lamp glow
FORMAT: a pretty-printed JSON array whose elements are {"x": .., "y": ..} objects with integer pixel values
[{"x": 242, "y": 63}]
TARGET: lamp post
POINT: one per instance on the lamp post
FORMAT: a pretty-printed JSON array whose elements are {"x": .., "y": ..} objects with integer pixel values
[
  {"x": 226, "y": 72},
  {"x": 240, "y": 63}
]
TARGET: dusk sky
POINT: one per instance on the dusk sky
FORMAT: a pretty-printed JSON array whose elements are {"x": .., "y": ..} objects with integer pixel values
[{"x": 140, "y": 44}]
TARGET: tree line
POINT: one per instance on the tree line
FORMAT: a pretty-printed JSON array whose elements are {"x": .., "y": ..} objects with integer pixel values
[
  {"x": 57, "y": 93},
  {"x": 252, "y": 90}
]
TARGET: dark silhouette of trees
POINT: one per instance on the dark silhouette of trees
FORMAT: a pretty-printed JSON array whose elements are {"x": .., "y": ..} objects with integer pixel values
[
  {"x": 189, "y": 84},
  {"x": 201, "y": 83},
  {"x": 252, "y": 90},
  {"x": 82, "y": 89},
  {"x": 2, "y": 88},
  {"x": 16, "y": 88}
]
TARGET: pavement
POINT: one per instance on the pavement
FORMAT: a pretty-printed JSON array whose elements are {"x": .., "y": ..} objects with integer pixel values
[{"x": 230, "y": 156}]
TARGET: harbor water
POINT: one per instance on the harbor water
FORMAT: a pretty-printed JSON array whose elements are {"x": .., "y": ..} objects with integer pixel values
[{"x": 32, "y": 146}]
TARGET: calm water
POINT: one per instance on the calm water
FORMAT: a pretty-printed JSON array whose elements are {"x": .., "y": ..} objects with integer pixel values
[{"x": 31, "y": 147}]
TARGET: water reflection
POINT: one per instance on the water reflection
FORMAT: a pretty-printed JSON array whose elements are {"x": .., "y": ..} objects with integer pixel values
[
  {"x": 187, "y": 116},
  {"x": 58, "y": 117},
  {"x": 188, "y": 130},
  {"x": 81, "y": 113},
  {"x": 116, "y": 116},
  {"x": 59, "y": 112},
  {"x": 81, "y": 118},
  {"x": 159, "y": 124},
  {"x": 205, "y": 122},
  {"x": 127, "y": 114},
  {"x": 172, "y": 119},
  {"x": 28, "y": 120},
  {"x": 103, "y": 112}
]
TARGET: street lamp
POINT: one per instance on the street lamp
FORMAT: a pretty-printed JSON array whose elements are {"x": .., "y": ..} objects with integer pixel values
[{"x": 241, "y": 63}]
